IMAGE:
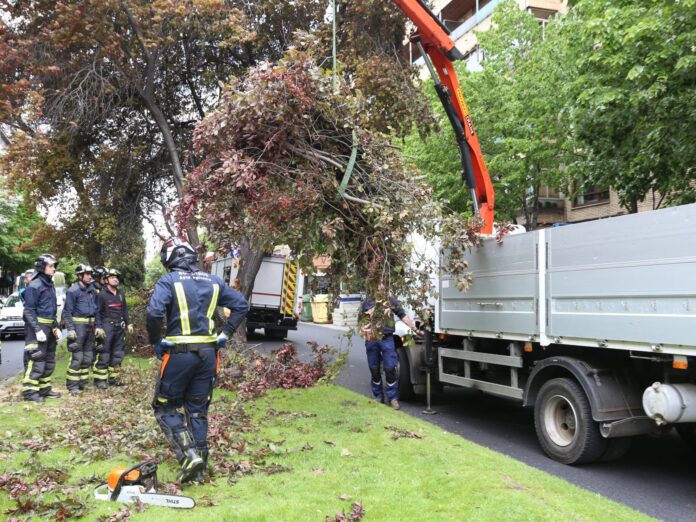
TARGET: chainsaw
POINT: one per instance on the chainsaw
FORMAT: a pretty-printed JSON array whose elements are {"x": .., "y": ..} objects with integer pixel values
[{"x": 139, "y": 484}]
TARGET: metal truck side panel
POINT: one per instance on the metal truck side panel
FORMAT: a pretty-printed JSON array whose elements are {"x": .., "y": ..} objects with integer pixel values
[
  {"x": 503, "y": 295},
  {"x": 629, "y": 278}
]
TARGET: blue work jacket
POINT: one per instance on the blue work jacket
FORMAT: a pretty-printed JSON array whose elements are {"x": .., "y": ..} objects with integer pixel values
[
  {"x": 188, "y": 299},
  {"x": 395, "y": 308},
  {"x": 40, "y": 303},
  {"x": 80, "y": 304}
]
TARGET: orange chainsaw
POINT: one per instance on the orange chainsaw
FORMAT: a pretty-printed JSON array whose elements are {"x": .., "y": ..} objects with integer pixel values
[{"x": 139, "y": 484}]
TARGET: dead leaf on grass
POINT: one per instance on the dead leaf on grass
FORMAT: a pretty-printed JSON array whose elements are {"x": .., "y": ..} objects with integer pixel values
[
  {"x": 206, "y": 501},
  {"x": 330, "y": 443},
  {"x": 346, "y": 453},
  {"x": 318, "y": 471}
]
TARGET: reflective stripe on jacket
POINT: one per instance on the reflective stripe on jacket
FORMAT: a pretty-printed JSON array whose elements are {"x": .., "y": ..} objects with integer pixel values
[
  {"x": 40, "y": 302},
  {"x": 189, "y": 299}
]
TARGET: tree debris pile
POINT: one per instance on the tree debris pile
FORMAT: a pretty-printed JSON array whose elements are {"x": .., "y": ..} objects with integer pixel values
[
  {"x": 252, "y": 374},
  {"x": 289, "y": 158}
]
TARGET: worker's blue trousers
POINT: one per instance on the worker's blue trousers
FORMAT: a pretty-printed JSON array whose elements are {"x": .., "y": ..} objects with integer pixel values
[
  {"x": 383, "y": 352},
  {"x": 186, "y": 379}
]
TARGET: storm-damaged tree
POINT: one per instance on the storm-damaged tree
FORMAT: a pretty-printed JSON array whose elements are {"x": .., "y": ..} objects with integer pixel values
[{"x": 289, "y": 159}]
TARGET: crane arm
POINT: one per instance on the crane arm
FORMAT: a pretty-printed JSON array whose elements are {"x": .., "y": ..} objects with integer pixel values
[{"x": 438, "y": 51}]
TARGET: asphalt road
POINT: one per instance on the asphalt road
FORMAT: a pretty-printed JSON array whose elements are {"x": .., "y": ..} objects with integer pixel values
[{"x": 656, "y": 477}]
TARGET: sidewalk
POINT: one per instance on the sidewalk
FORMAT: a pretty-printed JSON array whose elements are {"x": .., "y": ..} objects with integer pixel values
[{"x": 329, "y": 326}]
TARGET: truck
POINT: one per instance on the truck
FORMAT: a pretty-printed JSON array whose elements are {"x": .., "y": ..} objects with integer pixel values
[
  {"x": 276, "y": 298},
  {"x": 592, "y": 325}
]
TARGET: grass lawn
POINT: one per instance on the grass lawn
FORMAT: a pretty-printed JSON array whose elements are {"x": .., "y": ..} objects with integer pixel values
[{"x": 289, "y": 455}]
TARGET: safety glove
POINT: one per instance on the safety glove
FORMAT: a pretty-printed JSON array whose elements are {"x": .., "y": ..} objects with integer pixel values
[
  {"x": 57, "y": 333},
  {"x": 72, "y": 335},
  {"x": 130, "y": 328},
  {"x": 221, "y": 340},
  {"x": 161, "y": 348},
  {"x": 99, "y": 333},
  {"x": 41, "y": 336}
]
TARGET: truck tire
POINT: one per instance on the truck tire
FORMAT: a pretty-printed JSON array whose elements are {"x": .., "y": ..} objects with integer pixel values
[
  {"x": 276, "y": 334},
  {"x": 405, "y": 386},
  {"x": 564, "y": 425}
]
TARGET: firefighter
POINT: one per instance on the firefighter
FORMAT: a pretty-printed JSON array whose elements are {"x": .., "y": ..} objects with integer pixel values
[
  {"x": 79, "y": 315},
  {"x": 190, "y": 351},
  {"x": 378, "y": 332},
  {"x": 27, "y": 276},
  {"x": 112, "y": 322},
  {"x": 98, "y": 284},
  {"x": 41, "y": 331},
  {"x": 98, "y": 277}
]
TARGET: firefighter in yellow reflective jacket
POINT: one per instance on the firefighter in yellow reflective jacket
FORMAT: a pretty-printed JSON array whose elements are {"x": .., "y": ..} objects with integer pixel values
[
  {"x": 189, "y": 352},
  {"x": 41, "y": 331}
]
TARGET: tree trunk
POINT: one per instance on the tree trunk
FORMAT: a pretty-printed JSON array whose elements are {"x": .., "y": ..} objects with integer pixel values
[
  {"x": 170, "y": 144},
  {"x": 250, "y": 259}
]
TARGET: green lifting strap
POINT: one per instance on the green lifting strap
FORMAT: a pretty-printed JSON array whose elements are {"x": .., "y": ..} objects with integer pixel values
[{"x": 349, "y": 168}]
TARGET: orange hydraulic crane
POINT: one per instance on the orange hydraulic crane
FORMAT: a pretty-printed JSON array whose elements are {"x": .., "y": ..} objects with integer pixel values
[{"x": 438, "y": 51}]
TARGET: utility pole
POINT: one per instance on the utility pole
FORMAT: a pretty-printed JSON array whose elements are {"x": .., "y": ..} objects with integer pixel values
[{"x": 335, "y": 79}]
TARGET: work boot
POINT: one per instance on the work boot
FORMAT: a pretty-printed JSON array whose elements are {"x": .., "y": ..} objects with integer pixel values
[
  {"x": 191, "y": 463},
  {"x": 100, "y": 385},
  {"x": 34, "y": 398},
  {"x": 75, "y": 392},
  {"x": 50, "y": 394},
  {"x": 115, "y": 382},
  {"x": 394, "y": 404},
  {"x": 203, "y": 452}
]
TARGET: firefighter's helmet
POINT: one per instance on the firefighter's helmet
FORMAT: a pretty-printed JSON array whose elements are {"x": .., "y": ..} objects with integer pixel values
[
  {"x": 112, "y": 272},
  {"x": 83, "y": 268},
  {"x": 43, "y": 260},
  {"x": 176, "y": 253}
]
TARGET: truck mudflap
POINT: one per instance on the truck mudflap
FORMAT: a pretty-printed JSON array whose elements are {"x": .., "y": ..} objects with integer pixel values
[{"x": 613, "y": 393}]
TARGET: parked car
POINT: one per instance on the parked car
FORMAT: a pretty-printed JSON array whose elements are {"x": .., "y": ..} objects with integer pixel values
[{"x": 11, "y": 321}]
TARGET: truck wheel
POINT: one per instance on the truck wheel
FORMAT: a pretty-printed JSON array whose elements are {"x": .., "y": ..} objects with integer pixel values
[
  {"x": 276, "y": 334},
  {"x": 405, "y": 385},
  {"x": 616, "y": 448},
  {"x": 564, "y": 424},
  {"x": 687, "y": 432}
]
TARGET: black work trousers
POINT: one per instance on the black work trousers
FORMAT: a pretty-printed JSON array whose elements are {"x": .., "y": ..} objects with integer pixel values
[
  {"x": 110, "y": 358},
  {"x": 81, "y": 356},
  {"x": 39, "y": 361}
]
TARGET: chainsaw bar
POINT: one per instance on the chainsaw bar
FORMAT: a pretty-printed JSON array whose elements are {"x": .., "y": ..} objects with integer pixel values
[{"x": 130, "y": 494}]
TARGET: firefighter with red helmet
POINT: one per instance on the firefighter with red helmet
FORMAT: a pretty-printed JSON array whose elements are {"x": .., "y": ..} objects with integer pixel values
[
  {"x": 79, "y": 315},
  {"x": 41, "y": 331},
  {"x": 190, "y": 351},
  {"x": 112, "y": 321}
]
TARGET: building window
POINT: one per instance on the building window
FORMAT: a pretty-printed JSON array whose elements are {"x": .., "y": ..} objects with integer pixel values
[{"x": 591, "y": 195}]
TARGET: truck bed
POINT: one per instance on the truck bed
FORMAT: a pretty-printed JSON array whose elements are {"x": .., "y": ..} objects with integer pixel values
[{"x": 627, "y": 282}]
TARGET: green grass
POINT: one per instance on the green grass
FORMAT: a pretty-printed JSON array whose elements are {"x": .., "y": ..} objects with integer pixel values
[{"x": 337, "y": 451}]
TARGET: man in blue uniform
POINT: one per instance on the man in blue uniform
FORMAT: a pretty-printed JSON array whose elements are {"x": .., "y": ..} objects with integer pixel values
[
  {"x": 40, "y": 331},
  {"x": 378, "y": 332},
  {"x": 112, "y": 322},
  {"x": 189, "y": 352},
  {"x": 27, "y": 276},
  {"x": 79, "y": 313}
]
